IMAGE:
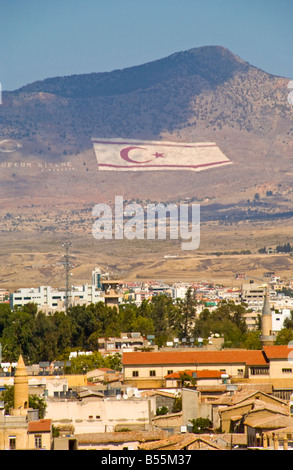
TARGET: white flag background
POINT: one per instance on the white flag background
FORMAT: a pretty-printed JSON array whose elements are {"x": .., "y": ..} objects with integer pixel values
[{"x": 135, "y": 155}]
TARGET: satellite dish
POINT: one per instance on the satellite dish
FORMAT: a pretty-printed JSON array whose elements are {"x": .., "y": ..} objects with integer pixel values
[
  {"x": 125, "y": 396},
  {"x": 118, "y": 397}
]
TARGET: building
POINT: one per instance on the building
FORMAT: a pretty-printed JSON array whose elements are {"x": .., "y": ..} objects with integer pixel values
[
  {"x": 92, "y": 412},
  {"x": 183, "y": 442},
  {"x": 268, "y": 337},
  {"x": 4, "y": 295},
  {"x": 49, "y": 299},
  {"x": 253, "y": 294},
  {"x": 278, "y": 318},
  {"x": 179, "y": 291},
  {"x": 200, "y": 377},
  {"x": 127, "y": 341},
  {"x": 248, "y": 407},
  {"x": 127, "y": 440},
  {"x": 149, "y": 369},
  {"x": 21, "y": 429},
  {"x": 272, "y": 365},
  {"x": 112, "y": 292}
]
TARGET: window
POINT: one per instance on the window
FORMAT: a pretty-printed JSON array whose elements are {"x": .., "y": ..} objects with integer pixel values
[
  {"x": 287, "y": 371},
  {"x": 170, "y": 372},
  {"x": 259, "y": 370},
  {"x": 12, "y": 443},
  {"x": 240, "y": 372},
  {"x": 38, "y": 441},
  {"x": 152, "y": 373},
  {"x": 135, "y": 373}
]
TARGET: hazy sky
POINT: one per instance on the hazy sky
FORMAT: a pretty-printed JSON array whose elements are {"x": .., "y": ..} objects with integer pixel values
[{"x": 47, "y": 38}]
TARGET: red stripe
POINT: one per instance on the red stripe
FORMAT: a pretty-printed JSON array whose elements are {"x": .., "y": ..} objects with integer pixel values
[
  {"x": 163, "y": 166},
  {"x": 150, "y": 144}
]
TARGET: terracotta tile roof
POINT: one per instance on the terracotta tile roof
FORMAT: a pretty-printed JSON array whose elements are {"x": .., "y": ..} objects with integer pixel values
[
  {"x": 249, "y": 357},
  {"x": 282, "y": 432},
  {"x": 42, "y": 425},
  {"x": 245, "y": 395},
  {"x": 118, "y": 437},
  {"x": 256, "y": 406},
  {"x": 278, "y": 352},
  {"x": 151, "y": 393},
  {"x": 188, "y": 441},
  {"x": 238, "y": 439},
  {"x": 201, "y": 374},
  {"x": 269, "y": 422}
]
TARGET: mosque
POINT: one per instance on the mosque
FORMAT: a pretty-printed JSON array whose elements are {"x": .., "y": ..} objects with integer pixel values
[
  {"x": 22, "y": 429},
  {"x": 268, "y": 337}
]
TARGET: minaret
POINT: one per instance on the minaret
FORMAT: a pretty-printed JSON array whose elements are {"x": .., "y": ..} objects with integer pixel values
[
  {"x": 267, "y": 336},
  {"x": 21, "y": 395}
]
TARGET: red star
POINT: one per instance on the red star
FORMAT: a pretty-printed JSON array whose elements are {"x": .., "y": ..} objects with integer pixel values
[{"x": 158, "y": 155}]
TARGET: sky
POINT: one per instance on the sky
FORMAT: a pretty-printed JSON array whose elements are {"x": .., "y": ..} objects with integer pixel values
[{"x": 49, "y": 38}]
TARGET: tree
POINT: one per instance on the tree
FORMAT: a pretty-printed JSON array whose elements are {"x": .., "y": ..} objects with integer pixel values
[
  {"x": 177, "y": 405},
  {"x": 84, "y": 363},
  {"x": 187, "y": 308},
  {"x": 38, "y": 403},
  {"x": 227, "y": 320},
  {"x": 162, "y": 312},
  {"x": 252, "y": 340},
  {"x": 284, "y": 336},
  {"x": 187, "y": 380},
  {"x": 35, "y": 402},
  {"x": 201, "y": 425},
  {"x": 63, "y": 329},
  {"x": 162, "y": 410},
  {"x": 18, "y": 336},
  {"x": 5, "y": 312},
  {"x": 288, "y": 322}
]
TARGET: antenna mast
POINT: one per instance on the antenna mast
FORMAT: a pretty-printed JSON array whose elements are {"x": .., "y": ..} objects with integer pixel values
[{"x": 67, "y": 266}]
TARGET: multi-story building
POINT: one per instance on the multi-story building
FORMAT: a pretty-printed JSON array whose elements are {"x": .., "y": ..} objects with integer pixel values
[
  {"x": 149, "y": 369},
  {"x": 271, "y": 365},
  {"x": 49, "y": 299},
  {"x": 127, "y": 341},
  {"x": 253, "y": 294},
  {"x": 4, "y": 295}
]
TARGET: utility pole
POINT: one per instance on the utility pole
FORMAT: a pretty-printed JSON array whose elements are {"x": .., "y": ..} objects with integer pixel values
[{"x": 67, "y": 266}]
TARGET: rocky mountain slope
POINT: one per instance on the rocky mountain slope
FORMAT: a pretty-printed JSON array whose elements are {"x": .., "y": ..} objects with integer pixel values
[{"x": 203, "y": 94}]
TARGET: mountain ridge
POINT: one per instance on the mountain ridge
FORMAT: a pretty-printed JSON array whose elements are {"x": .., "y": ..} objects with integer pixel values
[{"x": 192, "y": 61}]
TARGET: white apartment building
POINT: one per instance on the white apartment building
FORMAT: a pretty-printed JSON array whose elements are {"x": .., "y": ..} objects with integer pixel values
[
  {"x": 278, "y": 318},
  {"x": 179, "y": 291},
  {"x": 49, "y": 299}
]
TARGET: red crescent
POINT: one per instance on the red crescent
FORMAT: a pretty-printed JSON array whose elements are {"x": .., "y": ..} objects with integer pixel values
[{"x": 125, "y": 156}]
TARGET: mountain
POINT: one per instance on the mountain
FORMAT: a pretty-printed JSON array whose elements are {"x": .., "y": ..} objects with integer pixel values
[
  {"x": 50, "y": 180},
  {"x": 203, "y": 94}
]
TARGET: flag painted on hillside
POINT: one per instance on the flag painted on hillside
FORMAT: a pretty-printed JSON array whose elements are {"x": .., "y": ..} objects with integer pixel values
[{"x": 135, "y": 155}]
